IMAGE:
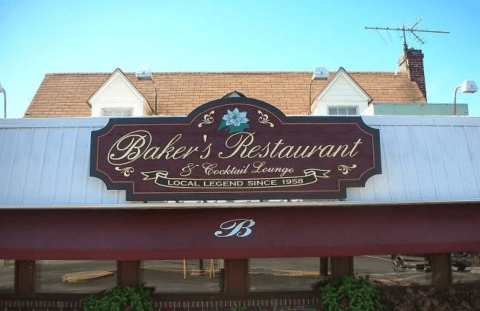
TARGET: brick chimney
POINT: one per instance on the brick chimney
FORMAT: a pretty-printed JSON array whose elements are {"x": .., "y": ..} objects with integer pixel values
[{"x": 411, "y": 61}]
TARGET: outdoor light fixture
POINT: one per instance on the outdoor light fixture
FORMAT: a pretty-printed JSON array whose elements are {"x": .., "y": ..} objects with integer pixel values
[
  {"x": 2, "y": 90},
  {"x": 319, "y": 73},
  {"x": 467, "y": 87}
]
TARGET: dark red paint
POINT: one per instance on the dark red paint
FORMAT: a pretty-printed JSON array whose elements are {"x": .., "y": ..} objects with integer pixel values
[{"x": 141, "y": 234}]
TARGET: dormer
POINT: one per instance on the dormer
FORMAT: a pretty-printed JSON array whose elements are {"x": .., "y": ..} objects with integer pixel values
[
  {"x": 118, "y": 97},
  {"x": 341, "y": 96}
]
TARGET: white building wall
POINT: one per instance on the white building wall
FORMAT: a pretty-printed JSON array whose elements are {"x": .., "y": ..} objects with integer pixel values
[
  {"x": 369, "y": 111},
  {"x": 425, "y": 159},
  {"x": 46, "y": 162}
]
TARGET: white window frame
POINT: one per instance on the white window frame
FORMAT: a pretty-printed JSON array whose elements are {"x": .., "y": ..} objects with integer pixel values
[
  {"x": 337, "y": 108},
  {"x": 116, "y": 112}
]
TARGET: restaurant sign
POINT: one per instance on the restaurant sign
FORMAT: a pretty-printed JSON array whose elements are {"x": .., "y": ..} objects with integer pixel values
[{"x": 235, "y": 148}]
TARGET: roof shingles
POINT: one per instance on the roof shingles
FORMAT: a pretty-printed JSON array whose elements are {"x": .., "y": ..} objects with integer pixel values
[{"x": 66, "y": 94}]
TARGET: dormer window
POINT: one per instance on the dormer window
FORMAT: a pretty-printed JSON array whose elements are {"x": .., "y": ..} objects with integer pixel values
[
  {"x": 342, "y": 96},
  {"x": 343, "y": 111},
  {"x": 118, "y": 97},
  {"x": 116, "y": 112}
]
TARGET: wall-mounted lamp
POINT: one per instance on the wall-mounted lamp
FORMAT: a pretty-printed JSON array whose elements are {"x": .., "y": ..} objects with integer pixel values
[
  {"x": 467, "y": 87},
  {"x": 2, "y": 90}
]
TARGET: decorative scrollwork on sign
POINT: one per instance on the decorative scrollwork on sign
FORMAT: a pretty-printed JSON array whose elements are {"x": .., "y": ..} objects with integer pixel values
[
  {"x": 345, "y": 169},
  {"x": 207, "y": 118},
  {"x": 264, "y": 119},
  {"x": 126, "y": 171}
]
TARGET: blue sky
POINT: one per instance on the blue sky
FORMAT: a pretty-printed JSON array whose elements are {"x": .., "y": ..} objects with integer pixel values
[{"x": 39, "y": 37}]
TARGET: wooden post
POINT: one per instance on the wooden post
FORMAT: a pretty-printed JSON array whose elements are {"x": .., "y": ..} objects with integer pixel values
[
  {"x": 25, "y": 277},
  {"x": 441, "y": 266},
  {"x": 184, "y": 269},
  {"x": 129, "y": 273},
  {"x": 323, "y": 266},
  {"x": 236, "y": 276},
  {"x": 211, "y": 268},
  {"x": 341, "y": 266}
]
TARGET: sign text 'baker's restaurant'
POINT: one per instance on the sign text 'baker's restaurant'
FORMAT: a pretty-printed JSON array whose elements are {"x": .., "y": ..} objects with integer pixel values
[{"x": 235, "y": 148}]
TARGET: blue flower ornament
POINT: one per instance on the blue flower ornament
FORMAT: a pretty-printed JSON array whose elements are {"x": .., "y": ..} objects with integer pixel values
[{"x": 234, "y": 121}]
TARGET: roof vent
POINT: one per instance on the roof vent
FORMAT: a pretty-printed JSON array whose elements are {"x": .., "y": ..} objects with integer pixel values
[
  {"x": 143, "y": 73},
  {"x": 320, "y": 73}
]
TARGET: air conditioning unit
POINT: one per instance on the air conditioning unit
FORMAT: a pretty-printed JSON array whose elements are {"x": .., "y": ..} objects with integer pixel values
[
  {"x": 320, "y": 73},
  {"x": 143, "y": 73}
]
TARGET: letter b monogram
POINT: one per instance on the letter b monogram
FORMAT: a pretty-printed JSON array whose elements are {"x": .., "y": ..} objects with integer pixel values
[{"x": 238, "y": 227}]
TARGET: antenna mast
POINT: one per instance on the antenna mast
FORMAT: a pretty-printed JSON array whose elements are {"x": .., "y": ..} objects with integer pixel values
[{"x": 411, "y": 30}]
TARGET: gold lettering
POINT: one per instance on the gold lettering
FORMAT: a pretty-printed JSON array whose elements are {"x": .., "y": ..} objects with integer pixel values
[
  {"x": 177, "y": 154},
  {"x": 130, "y": 147},
  {"x": 328, "y": 149},
  {"x": 169, "y": 148},
  {"x": 265, "y": 149},
  {"x": 259, "y": 167},
  {"x": 312, "y": 152},
  {"x": 189, "y": 152},
  {"x": 187, "y": 170},
  {"x": 345, "y": 148},
  {"x": 287, "y": 150},
  {"x": 136, "y": 145},
  {"x": 206, "y": 152},
  {"x": 296, "y": 154},
  {"x": 277, "y": 144},
  {"x": 353, "y": 152},
  {"x": 254, "y": 149},
  {"x": 245, "y": 139},
  {"x": 150, "y": 153}
]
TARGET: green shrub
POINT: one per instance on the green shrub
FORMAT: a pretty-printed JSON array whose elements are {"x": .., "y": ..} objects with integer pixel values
[
  {"x": 351, "y": 294},
  {"x": 118, "y": 297}
]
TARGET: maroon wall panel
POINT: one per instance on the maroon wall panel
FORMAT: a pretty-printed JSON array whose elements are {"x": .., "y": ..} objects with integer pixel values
[{"x": 136, "y": 234}]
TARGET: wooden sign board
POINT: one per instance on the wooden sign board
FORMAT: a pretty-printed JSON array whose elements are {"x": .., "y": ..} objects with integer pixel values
[{"x": 235, "y": 148}]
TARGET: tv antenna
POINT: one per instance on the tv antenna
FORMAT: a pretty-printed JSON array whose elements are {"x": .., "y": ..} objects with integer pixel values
[{"x": 408, "y": 29}]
